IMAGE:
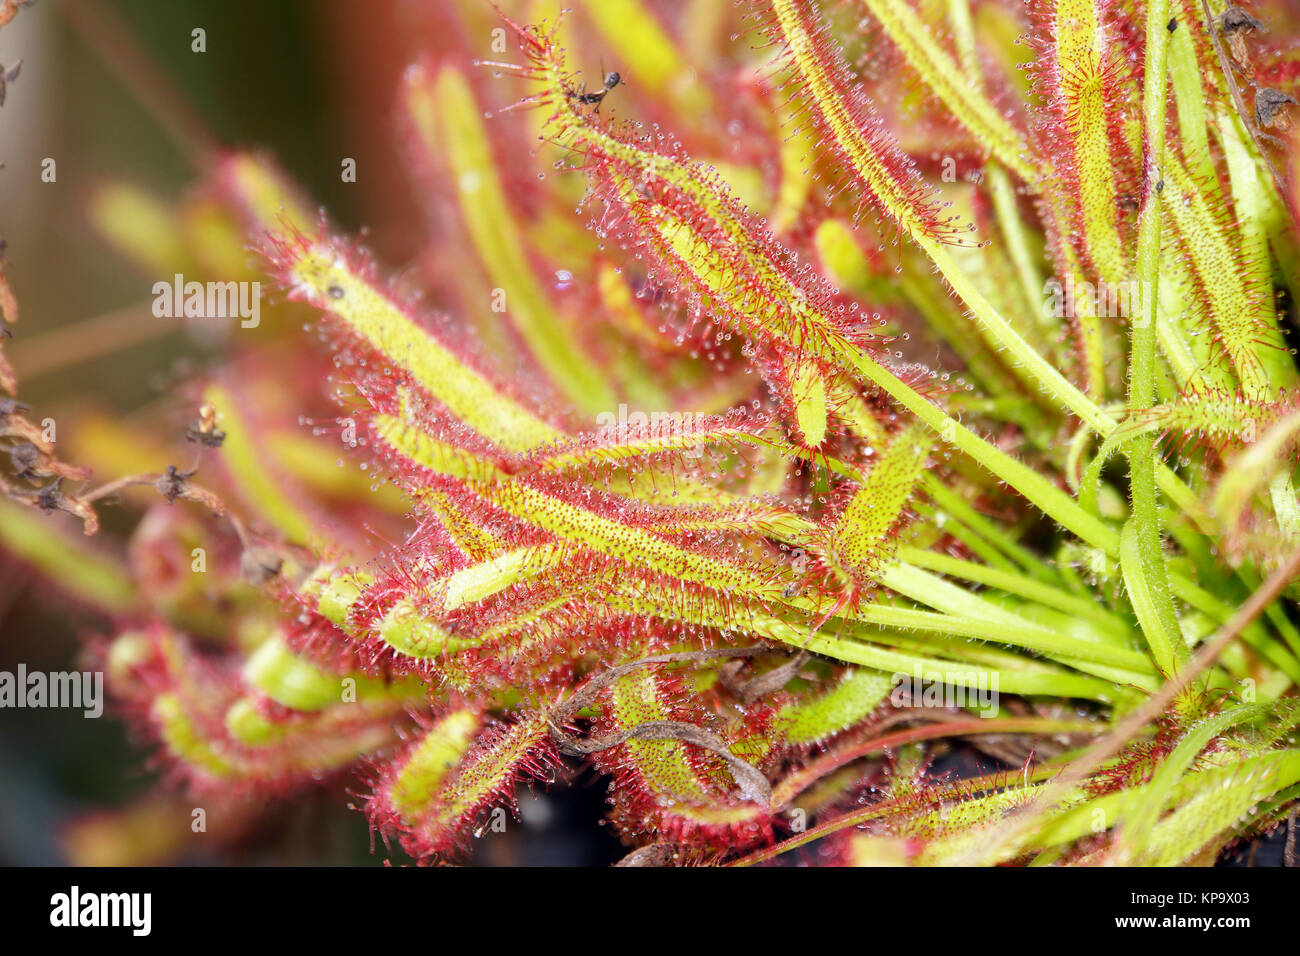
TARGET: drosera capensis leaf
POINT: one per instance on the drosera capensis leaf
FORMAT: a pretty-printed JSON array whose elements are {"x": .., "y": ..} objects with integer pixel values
[
  {"x": 1078, "y": 73},
  {"x": 865, "y": 532},
  {"x": 859, "y": 138},
  {"x": 942, "y": 75},
  {"x": 851, "y": 700},
  {"x": 322, "y": 275},
  {"x": 455, "y": 776},
  {"x": 448, "y": 118},
  {"x": 289, "y": 680},
  {"x": 243, "y": 456},
  {"x": 664, "y": 783}
]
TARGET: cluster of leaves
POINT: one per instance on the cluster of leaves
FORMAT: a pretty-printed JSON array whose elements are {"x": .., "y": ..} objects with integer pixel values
[{"x": 711, "y": 607}]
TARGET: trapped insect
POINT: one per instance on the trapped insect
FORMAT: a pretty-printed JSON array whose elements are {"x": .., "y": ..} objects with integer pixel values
[{"x": 612, "y": 80}]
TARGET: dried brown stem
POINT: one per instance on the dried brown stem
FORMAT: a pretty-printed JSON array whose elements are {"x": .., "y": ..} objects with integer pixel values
[{"x": 1240, "y": 104}]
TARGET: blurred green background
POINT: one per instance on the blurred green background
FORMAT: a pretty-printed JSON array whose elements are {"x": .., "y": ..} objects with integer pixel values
[{"x": 112, "y": 89}]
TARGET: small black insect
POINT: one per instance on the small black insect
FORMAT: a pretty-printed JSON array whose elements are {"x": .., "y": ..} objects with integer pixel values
[
  {"x": 1270, "y": 109},
  {"x": 1237, "y": 20},
  {"x": 7, "y": 77},
  {"x": 26, "y": 459},
  {"x": 1172, "y": 25},
  {"x": 594, "y": 99},
  {"x": 172, "y": 484},
  {"x": 9, "y": 406},
  {"x": 211, "y": 438},
  {"x": 50, "y": 498},
  {"x": 260, "y": 565},
  {"x": 203, "y": 430}
]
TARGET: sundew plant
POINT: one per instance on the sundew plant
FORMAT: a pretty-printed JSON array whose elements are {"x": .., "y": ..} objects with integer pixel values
[{"x": 784, "y": 395}]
